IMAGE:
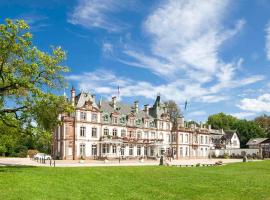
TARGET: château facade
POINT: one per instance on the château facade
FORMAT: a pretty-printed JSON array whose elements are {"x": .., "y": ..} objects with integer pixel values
[{"x": 111, "y": 129}]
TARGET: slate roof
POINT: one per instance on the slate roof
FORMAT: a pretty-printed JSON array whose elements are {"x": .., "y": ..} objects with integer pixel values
[{"x": 256, "y": 141}]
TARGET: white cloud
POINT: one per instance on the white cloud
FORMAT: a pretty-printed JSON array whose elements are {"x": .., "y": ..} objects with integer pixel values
[
  {"x": 197, "y": 113},
  {"x": 260, "y": 104},
  {"x": 243, "y": 115},
  {"x": 267, "y": 46},
  {"x": 98, "y": 14}
]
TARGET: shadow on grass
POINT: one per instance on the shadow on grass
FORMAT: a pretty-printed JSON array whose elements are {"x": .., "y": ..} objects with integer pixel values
[{"x": 13, "y": 168}]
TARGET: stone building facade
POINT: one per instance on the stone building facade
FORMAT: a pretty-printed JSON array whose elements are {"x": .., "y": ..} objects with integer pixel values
[{"x": 111, "y": 129}]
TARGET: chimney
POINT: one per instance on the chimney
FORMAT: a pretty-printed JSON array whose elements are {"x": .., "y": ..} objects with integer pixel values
[
  {"x": 201, "y": 125},
  {"x": 114, "y": 102},
  {"x": 136, "y": 106},
  {"x": 209, "y": 127},
  {"x": 181, "y": 122},
  {"x": 72, "y": 91},
  {"x": 146, "y": 109}
]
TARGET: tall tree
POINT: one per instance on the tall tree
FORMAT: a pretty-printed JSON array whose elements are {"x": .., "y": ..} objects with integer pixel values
[
  {"x": 264, "y": 122},
  {"x": 174, "y": 111},
  {"x": 222, "y": 121},
  {"x": 29, "y": 78}
]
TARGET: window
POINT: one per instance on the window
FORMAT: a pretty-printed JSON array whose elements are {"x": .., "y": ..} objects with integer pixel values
[
  {"x": 186, "y": 151},
  {"x": 82, "y": 149},
  {"x": 105, "y": 118},
  {"x": 106, "y": 131},
  {"x": 161, "y": 125},
  {"x": 138, "y": 150},
  {"x": 114, "y": 149},
  {"x": 168, "y": 138},
  {"x": 181, "y": 151},
  {"x": 186, "y": 138},
  {"x": 94, "y": 149},
  {"x": 130, "y": 150},
  {"x": 82, "y": 131},
  {"x": 161, "y": 135},
  {"x": 94, "y": 117},
  {"x": 173, "y": 138},
  {"x": 122, "y": 150},
  {"x": 123, "y": 133},
  {"x": 153, "y": 135},
  {"x": 152, "y": 151},
  {"x": 181, "y": 138},
  {"x": 83, "y": 115},
  {"x": 205, "y": 140},
  {"x": 168, "y": 126},
  {"x": 201, "y": 139},
  {"x": 94, "y": 132},
  {"x": 138, "y": 122},
  {"x": 146, "y": 135},
  {"x": 114, "y": 119},
  {"x": 146, "y": 124},
  {"x": 114, "y": 132},
  {"x": 105, "y": 148},
  {"x": 122, "y": 120},
  {"x": 139, "y": 134}
]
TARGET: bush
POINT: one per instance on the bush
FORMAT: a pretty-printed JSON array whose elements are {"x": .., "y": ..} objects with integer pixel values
[
  {"x": 32, "y": 152},
  {"x": 226, "y": 155}
]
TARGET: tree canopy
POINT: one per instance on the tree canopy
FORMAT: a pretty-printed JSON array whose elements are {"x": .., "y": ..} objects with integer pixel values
[
  {"x": 29, "y": 81},
  {"x": 174, "y": 111}
]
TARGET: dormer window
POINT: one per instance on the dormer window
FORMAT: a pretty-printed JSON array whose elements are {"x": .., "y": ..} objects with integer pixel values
[{"x": 114, "y": 120}]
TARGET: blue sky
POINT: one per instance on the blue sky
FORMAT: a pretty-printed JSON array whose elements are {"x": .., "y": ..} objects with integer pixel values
[{"x": 214, "y": 54}]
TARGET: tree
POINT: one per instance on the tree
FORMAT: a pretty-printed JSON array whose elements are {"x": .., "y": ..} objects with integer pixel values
[
  {"x": 174, "y": 111},
  {"x": 264, "y": 122},
  {"x": 222, "y": 121},
  {"x": 29, "y": 78}
]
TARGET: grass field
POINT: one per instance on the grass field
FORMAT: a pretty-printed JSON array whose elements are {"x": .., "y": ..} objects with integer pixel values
[{"x": 235, "y": 181}]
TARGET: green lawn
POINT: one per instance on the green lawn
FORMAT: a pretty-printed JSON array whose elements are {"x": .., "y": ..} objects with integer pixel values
[{"x": 236, "y": 181}]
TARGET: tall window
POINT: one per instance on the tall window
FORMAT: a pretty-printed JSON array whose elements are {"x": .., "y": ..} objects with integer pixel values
[
  {"x": 181, "y": 151},
  {"x": 114, "y": 132},
  {"x": 123, "y": 133},
  {"x": 146, "y": 135},
  {"x": 186, "y": 138},
  {"x": 94, "y": 117},
  {"x": 186, "y": 151},
  {"x": 168, "y": 138},
  {"x": 105, "y": 148},
  {"x": 205, "y": 140},
  {"x": 139, "y": 134},
  {"x": 94, "y": 149},
  {"x": 82, "y": 149},
  {"x": 181, "y": 138},
  {"x": 146, "y": 124},
  {"x": 130, "y": 150},
  {"x": 114, "y": 119},
  {"x": 153, "y": 135},
  {"x": 201, "y": 139},
  {"x": 82, "y": 131},
  {"x": 94, "y": 132},
  {"x": 83, "y": 115},
  {"x": 122, "y": 150},
  {"x": 138, "y": 150},
  {"x": 168, "y": 126},
  {"x": 114, "y": 148},
  {"x": 161, "y": 125},
  {"x": 173, "y": 138},
  {"x": 105, "y": 131}
]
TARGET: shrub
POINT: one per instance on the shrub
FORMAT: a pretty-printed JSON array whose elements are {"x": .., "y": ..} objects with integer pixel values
[
  {"x": 226, "y": 155},
  {"x": 32, "y": 152}
]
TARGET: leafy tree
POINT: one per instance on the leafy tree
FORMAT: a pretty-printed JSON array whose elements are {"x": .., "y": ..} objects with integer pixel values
[
  {"x": 28, "y": 79},
  {"x": 174, "y": 111},
  {"x": 264, "y": 122},
  {"x": 222, "y": 121}
]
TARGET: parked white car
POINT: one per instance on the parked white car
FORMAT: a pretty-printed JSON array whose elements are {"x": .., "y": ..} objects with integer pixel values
[{"x": 42, "y": 156}]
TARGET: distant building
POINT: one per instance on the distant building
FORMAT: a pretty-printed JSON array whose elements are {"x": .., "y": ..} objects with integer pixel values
[
  {"x": 255, "y": 143},
  {"x": 224, "y": 139}
]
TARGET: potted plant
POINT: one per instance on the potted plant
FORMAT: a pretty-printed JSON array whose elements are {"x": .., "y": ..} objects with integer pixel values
[{"x": 81, "y": 160}]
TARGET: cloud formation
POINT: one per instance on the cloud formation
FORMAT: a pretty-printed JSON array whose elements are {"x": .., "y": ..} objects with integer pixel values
[{"x": 259, "y": 104}]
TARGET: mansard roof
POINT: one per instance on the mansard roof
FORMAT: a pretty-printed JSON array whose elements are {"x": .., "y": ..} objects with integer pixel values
[{"x": 83, "y": 97}]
